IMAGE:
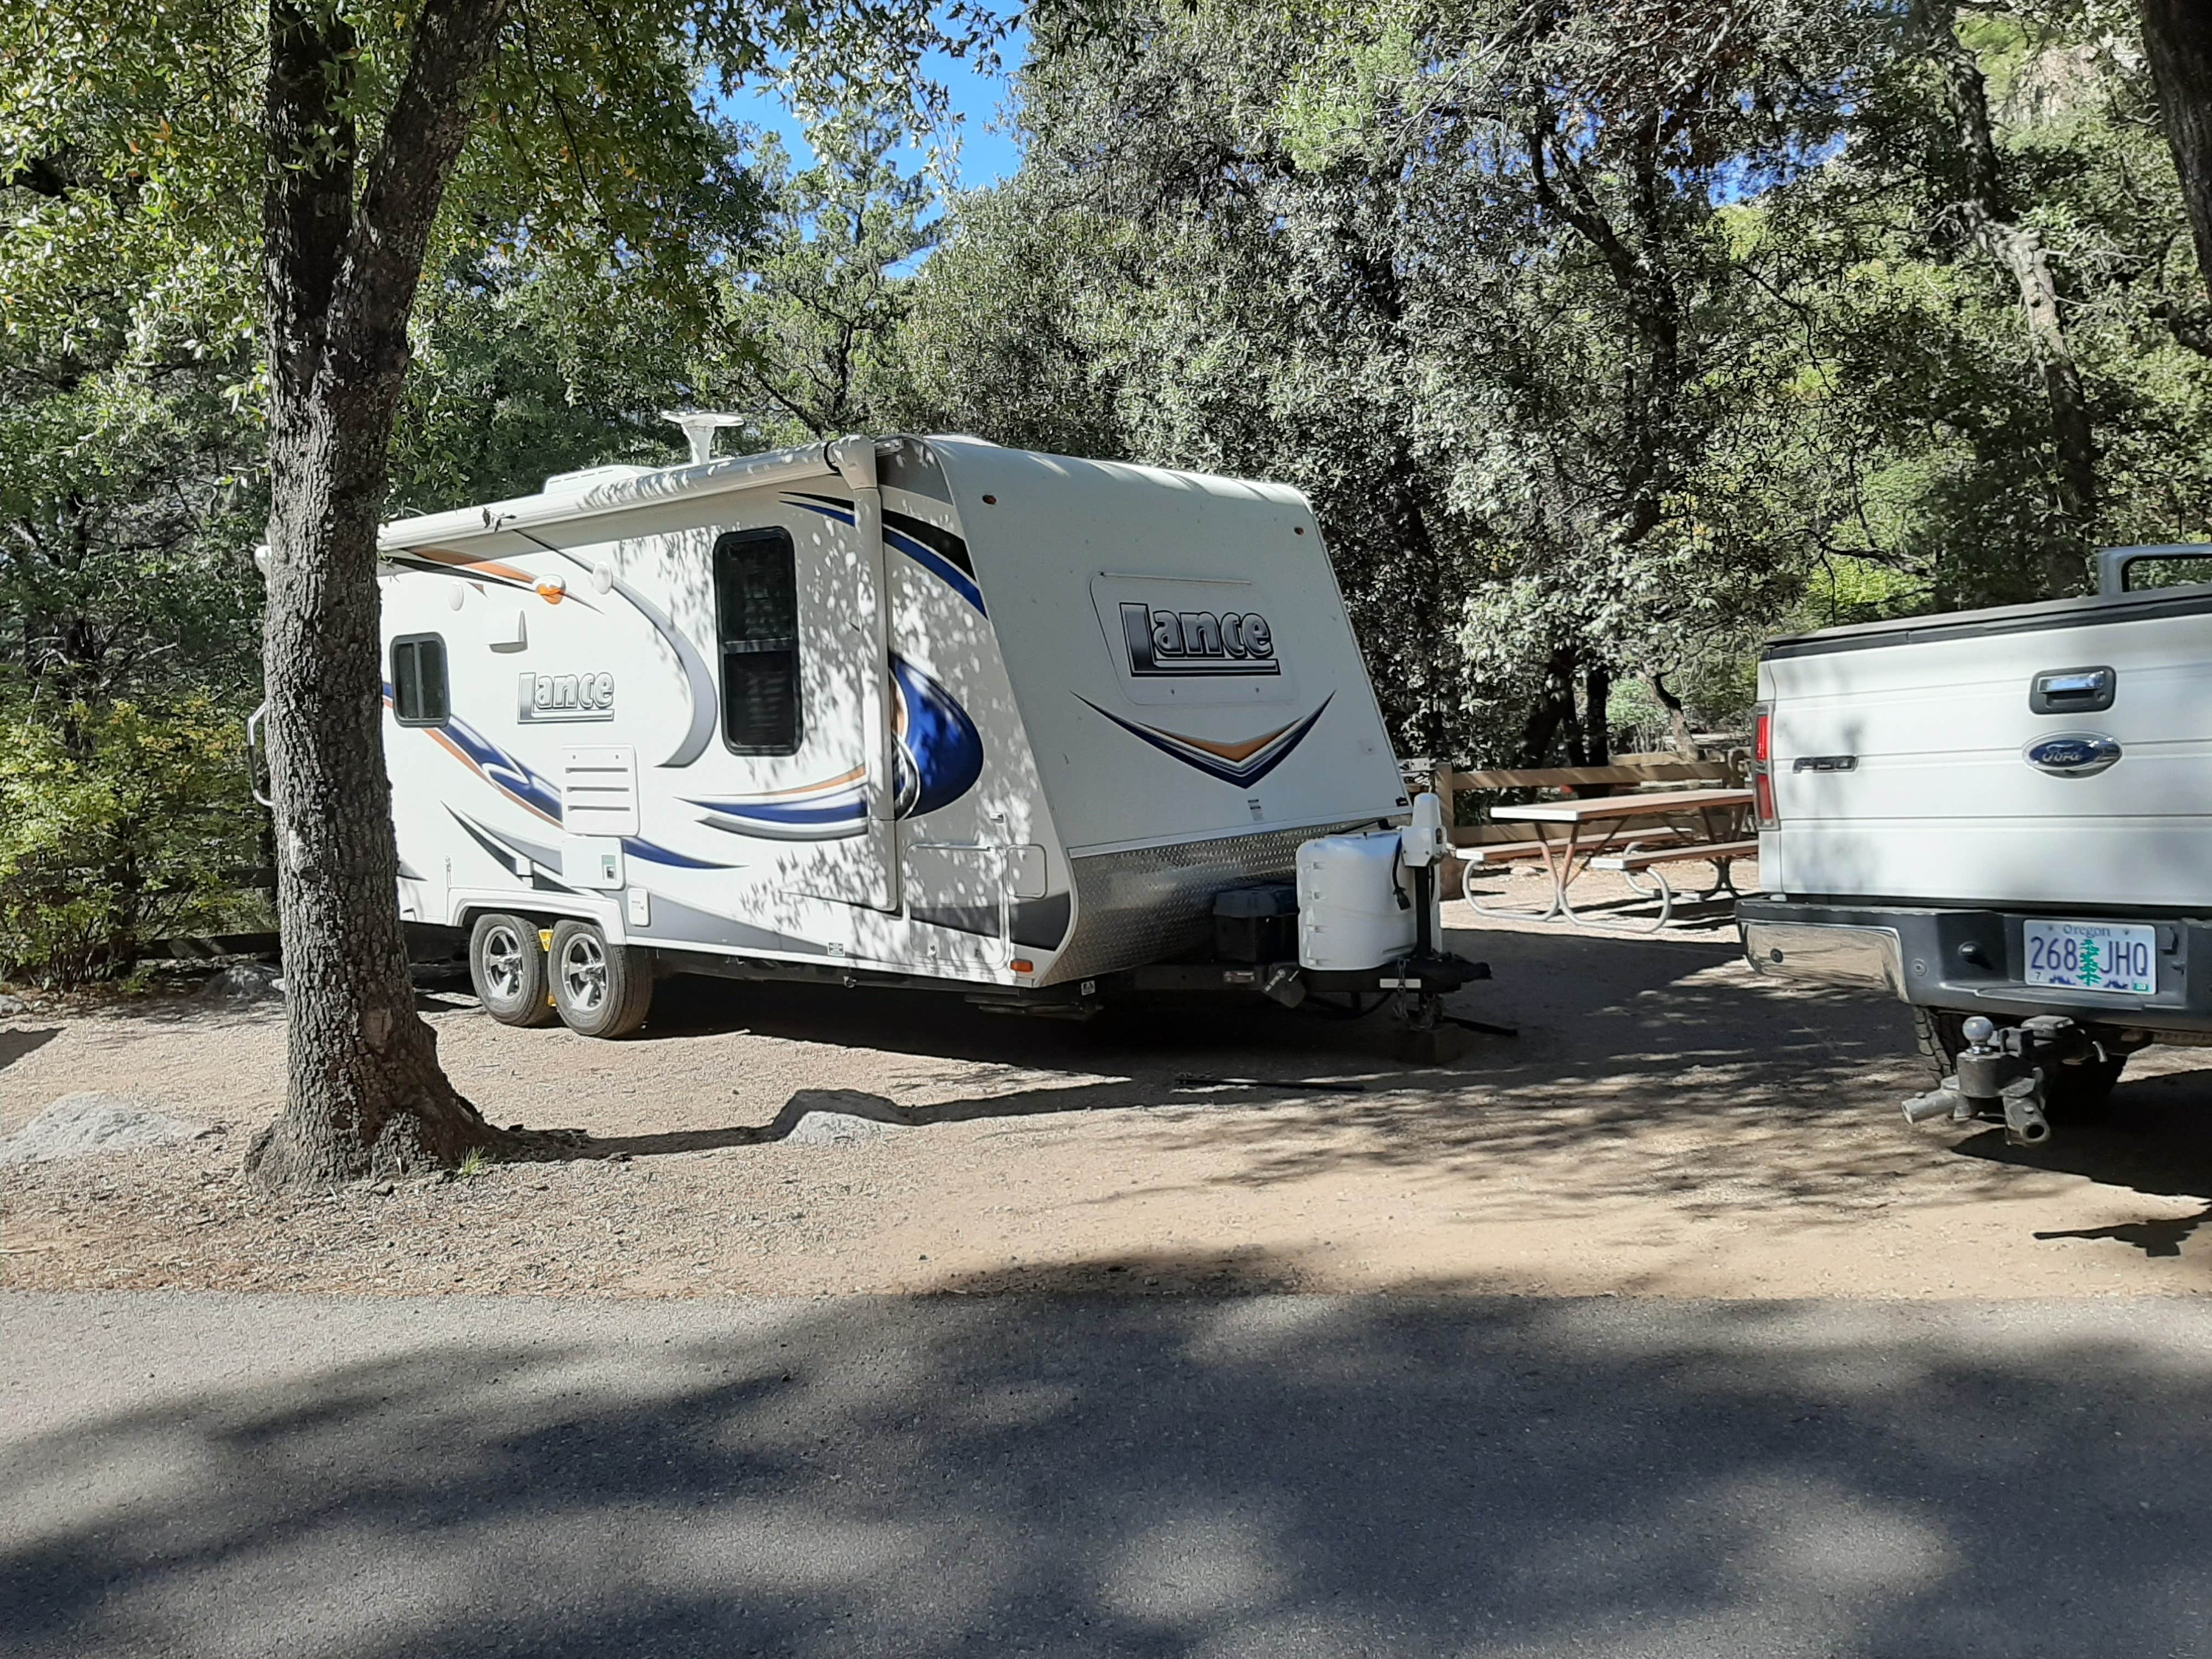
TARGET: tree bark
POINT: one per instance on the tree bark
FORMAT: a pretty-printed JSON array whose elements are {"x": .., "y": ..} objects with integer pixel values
[
  {"x": 2178, "y": 40},
  {"x": 1984, "y": 215},
  {"x": 1678, "y": 719},
  {"x": 1555, "y": 707},
  {"x": 1597, "y": 731},
  {"x": 366, "y": 1095}
]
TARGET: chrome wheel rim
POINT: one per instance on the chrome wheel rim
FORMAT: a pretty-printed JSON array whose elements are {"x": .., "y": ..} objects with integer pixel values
[
  {"x": 503, "y": 963},
  {"x": 584, "y": 973}
]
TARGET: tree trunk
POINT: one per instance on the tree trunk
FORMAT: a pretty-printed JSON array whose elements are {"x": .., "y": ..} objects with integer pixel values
[
  {"x": 1678, "y": 719},
  {"x": 2178, "y": 40},
  {"x": 1555, "y": 707},
  {"x": 1985, "y": 217},
  {"x": 366, "y": 1095},
  {"x": 1597, "y": 731}
]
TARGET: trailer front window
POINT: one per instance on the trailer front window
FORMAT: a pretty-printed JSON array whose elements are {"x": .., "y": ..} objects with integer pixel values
[{"x": 756, "y": 605}]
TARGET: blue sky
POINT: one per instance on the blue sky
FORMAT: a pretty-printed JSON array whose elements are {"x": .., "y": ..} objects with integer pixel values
[{"x": 986, "y": 155}]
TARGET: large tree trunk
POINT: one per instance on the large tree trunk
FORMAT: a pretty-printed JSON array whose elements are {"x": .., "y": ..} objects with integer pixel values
[
  {"x": 366, "y": 1095},
  {"x": 2178, "y": 40}
]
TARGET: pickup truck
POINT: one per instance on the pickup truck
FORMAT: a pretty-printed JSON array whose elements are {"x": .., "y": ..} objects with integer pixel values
[{"x": 2004, "y": 818}]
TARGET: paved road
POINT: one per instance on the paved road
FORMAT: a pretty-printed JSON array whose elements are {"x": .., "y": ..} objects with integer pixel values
[{"x": 1278, "y": 1476}]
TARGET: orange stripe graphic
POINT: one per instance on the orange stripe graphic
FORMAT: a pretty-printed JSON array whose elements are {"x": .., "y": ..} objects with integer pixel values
[
  {"x": 1228, "y": 751},
  {"x": 462, "y": 562}
]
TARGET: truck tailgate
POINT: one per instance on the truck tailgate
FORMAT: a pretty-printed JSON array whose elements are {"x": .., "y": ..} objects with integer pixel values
[{"x": 1912, "y": 761}]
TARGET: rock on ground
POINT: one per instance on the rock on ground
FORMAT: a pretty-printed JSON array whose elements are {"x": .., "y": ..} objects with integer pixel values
[
  {"x": 243, "y": 983},
  {"x": 836, "y": 1117},
  {"x": 91, "y": 1122}
]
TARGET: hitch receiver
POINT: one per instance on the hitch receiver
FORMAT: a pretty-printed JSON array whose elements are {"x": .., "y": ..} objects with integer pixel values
[{"x": 2000, "y": 1076}]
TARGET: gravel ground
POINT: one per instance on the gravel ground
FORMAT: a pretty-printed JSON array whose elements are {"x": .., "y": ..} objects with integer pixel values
[{"x": 1666, "y": 1124}]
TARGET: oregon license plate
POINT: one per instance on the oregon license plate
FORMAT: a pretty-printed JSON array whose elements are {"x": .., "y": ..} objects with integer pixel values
[{"x": 2092, "y": 956}]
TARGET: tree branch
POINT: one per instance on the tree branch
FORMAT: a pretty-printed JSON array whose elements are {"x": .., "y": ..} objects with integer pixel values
[{"x": 405, "y": 183}]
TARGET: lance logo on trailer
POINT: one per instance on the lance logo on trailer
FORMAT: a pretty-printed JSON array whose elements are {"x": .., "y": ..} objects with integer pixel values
[
  {"x": 566, "y": 696},
  {"x": 1166, "y": 644}
]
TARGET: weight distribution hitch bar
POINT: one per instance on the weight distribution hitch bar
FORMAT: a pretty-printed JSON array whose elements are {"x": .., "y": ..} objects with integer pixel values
[{"x": 2000, "y": 1076}]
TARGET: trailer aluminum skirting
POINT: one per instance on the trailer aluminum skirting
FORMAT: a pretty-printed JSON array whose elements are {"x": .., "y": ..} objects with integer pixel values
[{"x": 1156, "y": 902}]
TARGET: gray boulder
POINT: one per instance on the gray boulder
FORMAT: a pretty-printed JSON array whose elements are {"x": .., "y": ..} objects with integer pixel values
[
  {"x": 242, "y": 985},
  {"x": 836, "y": 1117},
  {"x": 76, "y": 1125}
]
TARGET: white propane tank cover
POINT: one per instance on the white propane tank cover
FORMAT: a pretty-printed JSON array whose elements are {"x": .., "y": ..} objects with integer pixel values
[
  {"x": 1355, "y": 905},
  {"x": 1423, "y": 839}
]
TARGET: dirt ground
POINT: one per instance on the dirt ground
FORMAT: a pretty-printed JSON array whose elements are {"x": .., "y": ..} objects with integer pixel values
[{"x": 1665, "y": 1124}]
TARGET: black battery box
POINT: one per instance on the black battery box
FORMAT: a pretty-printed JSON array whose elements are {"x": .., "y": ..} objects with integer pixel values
[{"x": 1257, "y": 924}]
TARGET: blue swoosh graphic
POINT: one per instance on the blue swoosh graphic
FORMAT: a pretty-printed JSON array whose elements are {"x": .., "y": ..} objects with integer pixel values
[{"x": 927, "y": 557}]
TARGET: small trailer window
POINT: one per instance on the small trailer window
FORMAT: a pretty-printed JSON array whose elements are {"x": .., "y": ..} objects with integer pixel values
[
  {"x": 418, "y": 680},
  {"x": 757, "y": 602}
]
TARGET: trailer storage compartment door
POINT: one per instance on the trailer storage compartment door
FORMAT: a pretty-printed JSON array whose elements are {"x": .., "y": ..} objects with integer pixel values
[{"x": 2057, "y": 754}]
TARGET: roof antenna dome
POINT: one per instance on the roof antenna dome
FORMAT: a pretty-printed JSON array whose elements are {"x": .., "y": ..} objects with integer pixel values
[{"x": 699, "y": 427}]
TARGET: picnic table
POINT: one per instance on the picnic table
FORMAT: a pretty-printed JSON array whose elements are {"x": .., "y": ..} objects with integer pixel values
[{"x": 1603, "y": 834}]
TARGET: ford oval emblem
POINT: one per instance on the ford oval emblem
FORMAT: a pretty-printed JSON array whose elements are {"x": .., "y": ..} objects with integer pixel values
[{"x": 2073, "y": 754}]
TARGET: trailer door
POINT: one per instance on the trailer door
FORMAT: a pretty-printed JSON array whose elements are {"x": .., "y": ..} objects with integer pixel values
[{"x": 795, "y": 603}]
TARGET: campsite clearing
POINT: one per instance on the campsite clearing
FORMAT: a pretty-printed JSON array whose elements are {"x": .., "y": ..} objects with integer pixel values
[{"x": 1666, "y": 1124}]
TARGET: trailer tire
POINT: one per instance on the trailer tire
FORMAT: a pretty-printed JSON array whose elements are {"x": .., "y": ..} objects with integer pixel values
[
  {"x": 2070, "y": 1092},
  {"x": 601, "y": 990},
  {"x": 506, "y": 968}
]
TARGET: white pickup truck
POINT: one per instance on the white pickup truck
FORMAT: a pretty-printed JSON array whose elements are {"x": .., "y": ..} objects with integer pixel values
[{"x": 2003, "y": 817}]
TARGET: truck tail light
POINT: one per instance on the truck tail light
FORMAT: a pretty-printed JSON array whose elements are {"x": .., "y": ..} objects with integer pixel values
[{"x": 1762, "y": 759}]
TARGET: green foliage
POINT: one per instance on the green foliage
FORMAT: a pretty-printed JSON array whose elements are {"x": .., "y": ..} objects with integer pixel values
[
  {"x": 1609, "y": 339},
  {"x": 117, "y": 825},
  {"x": 804, "y": 328}
]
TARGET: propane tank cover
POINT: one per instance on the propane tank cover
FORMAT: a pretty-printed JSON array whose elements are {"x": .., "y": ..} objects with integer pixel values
[{"x": 1355, "y": 910}]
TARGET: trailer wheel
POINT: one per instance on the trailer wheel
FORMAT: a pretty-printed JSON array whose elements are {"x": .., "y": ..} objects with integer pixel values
[
  {"x": 507, "y": 966},
  {"x": 601, "y": 990},
  {"x": 2073, "y": 1092}
]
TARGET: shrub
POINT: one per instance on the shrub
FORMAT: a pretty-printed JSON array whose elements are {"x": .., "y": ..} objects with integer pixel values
[{"x": 117, "y": 824}]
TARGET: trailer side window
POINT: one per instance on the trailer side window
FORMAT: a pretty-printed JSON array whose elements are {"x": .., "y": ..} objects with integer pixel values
[
  {"x": 419, "y": 696},
  {"x": 756, "y": 605}
]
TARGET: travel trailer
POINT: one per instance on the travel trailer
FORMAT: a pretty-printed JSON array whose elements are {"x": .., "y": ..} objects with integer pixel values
[
  {"x": 909, "y": 711},
  {"x": 2003, "y": 817}
]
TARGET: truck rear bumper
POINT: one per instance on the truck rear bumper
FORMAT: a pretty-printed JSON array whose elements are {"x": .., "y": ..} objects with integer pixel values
[{"x": 1969, "y": 957}]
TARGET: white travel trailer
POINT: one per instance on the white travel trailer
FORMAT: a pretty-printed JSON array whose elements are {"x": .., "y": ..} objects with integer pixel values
[{"x": 919, "y": 711}]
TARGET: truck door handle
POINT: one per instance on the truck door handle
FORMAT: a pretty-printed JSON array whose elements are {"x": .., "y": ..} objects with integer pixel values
[{"x": 2072, "y": 690}]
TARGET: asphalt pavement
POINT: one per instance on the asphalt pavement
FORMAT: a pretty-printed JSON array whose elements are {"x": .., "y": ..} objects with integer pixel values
[{"x": 1287, "y": 1476}]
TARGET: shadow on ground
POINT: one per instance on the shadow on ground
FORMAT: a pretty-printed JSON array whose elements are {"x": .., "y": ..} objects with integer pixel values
[
  {"x": 1081, "y": 1476},
  {"x": 25, "y": 1040},
  {"x": 1645, "y": 1067}
]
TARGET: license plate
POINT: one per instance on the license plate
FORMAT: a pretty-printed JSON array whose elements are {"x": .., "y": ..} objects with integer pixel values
[{"x": 2092, "y": 956}]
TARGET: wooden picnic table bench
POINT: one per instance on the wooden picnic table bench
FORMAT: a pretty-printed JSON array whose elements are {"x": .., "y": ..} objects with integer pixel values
[{"x": 1719, "y": 813}]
